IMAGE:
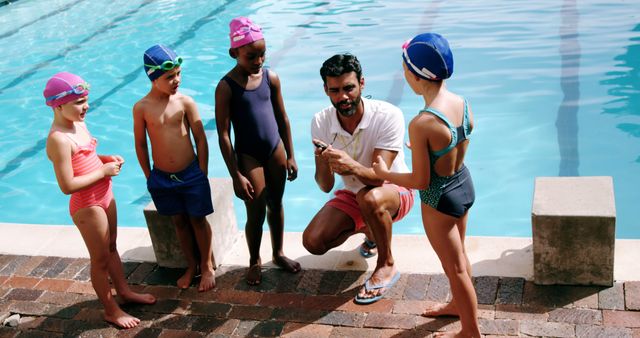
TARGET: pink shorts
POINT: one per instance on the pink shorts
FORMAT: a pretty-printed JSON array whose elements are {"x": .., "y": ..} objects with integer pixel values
[{"x": 345, "y": 201}]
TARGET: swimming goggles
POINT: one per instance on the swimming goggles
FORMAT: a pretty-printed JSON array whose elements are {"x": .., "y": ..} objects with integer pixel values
[
  {"x": 78, "y": 89},
  {"x": 165, "y": 66}
]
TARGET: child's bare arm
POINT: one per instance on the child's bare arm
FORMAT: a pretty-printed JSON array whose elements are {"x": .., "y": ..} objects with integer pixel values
[
  {"x": 241, "y": 185},
  {"x": 140, "y": 139},
  {"x": 59, "y": 152},
  {"x": 199, "y": 136},
  {"x": 284, "y": 128},
  {"x": 419, "y": 177}
]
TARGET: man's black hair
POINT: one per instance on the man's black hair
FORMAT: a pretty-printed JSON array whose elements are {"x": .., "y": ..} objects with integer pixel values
[{"x": 340, "y": 64}]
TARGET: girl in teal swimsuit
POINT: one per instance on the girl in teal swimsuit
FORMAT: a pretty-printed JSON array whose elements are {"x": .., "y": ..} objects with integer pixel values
[{"x": 439, "y": 139}]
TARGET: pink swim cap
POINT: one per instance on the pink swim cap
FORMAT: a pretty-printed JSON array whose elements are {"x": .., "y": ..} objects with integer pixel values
[
  {"x": 64, "y": 87},
  {"x": 244, "y": 32}
]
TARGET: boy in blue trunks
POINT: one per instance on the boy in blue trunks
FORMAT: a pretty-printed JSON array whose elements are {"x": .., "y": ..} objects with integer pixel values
[
  {"x": 261, "y": 159},
  {"x": 178, "y": 182}
]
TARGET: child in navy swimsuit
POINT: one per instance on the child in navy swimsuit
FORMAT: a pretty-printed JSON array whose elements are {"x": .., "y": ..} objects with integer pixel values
[
  {"x": 261, "y": 158},
  {"x": 439, "y": 137}
]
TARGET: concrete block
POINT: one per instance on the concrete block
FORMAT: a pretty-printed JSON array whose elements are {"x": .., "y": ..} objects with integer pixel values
[
  {"x": 222, "y": 221},
  {"x": 573, "y": 220}
]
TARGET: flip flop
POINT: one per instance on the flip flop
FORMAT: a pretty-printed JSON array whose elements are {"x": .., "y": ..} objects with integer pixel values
[
  {"x": 368, "y": 287},
  {"x": 365, "y": 252}
]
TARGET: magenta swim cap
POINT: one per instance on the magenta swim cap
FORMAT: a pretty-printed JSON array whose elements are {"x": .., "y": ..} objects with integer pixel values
[
  {"x": 64, "y": 87},
  {"x": 244, "y": 32}
]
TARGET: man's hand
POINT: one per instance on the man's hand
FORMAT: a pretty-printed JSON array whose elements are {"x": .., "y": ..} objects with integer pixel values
[{"x": 339, "y": 161}]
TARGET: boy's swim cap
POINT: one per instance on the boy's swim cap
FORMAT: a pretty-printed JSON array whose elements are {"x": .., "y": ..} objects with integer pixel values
[
  {"x": 244, "y": 32},
  {"x": 64, "y": 87},
  {"x": 155, "y": 57},
  {"x": 428, "y": 56}
]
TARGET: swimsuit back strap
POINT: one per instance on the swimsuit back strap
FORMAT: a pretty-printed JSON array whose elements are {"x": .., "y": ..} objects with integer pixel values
[
  {"x": 465, "y": 121},
  {"x": 452, "y": 129}
]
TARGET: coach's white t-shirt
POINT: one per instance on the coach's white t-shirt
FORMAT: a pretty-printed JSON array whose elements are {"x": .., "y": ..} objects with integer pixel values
[{"x": 381, "y": 127}]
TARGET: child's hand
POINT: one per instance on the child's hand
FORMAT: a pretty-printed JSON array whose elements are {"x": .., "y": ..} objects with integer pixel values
[
  {"x": 292, "y": 169},
  {"x": 380, "y": 166},
  {"x": 111, "y": 169},
  {"x": 243, "y": 188}
]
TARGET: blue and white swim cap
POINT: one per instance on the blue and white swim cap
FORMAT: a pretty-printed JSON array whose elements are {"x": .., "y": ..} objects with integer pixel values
[
  {"x": 428, "y": 56},
  {"x": 159, "y": 59}
]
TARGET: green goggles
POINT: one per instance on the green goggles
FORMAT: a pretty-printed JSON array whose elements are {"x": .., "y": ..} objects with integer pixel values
[{"x": 165, "y": 66}]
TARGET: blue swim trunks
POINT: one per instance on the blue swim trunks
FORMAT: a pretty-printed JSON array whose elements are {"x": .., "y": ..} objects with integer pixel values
[{"x": 185, "y": 192}]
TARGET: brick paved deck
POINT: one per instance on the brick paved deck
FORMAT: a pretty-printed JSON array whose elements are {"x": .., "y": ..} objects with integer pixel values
[{"x": 54, "y": 299}]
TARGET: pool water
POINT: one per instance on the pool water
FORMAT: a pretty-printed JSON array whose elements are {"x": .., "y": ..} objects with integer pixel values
[{"x": 554, "y": 87}]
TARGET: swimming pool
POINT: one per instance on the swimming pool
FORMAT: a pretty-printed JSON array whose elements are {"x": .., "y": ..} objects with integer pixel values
[{"x": 554, "y": 85}]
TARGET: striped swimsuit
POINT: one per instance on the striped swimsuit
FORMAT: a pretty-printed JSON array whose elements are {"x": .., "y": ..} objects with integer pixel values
[{"x": 83, "y": 161}]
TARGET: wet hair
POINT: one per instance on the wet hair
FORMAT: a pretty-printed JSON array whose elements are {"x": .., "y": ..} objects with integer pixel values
[{"x": 340, "y": 64}]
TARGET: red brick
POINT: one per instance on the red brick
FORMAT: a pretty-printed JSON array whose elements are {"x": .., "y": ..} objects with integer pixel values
[
  {"x": 168, "y": 333},
  {"x": 59, "y": 285},
  {"x": 237, "y": 297},
  {"x": 282, "y": 300},
  {"x": 21, "y": 282},
  {"x": 300, "y": 330},
  {"x": 517, "y": 312},
  {"x": 381, "y": 306},
  {"x": 636, "y": 333},
  {"x": 164, "y": 292},
  {"x": 3, "y": 279},
  {"x": 632, "y": 295},
  {"x": 355, "y": 332},
  {"x": 621, "y": 318},
  {"x": 82, "y": 287},
  {"x": 324, "y": 302},
  {"x": 390, "y": 321},
  {"x": 28, "y": 266},
  {"x": 576, "y": 316},
  {"x": 90, "y": 315},
  {"x": 412, "y": 307},
  {"x": 250, "y": 312}
]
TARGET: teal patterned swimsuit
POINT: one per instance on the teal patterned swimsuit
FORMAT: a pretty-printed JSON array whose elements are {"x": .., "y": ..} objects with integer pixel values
[{"x": 452, "y": 195}]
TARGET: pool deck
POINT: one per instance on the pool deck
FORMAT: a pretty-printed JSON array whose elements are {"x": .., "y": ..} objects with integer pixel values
[{"x": 44, "y": 278}]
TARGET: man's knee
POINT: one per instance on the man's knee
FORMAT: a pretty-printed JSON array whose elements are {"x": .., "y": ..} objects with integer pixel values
[
  {"x": 313, "y": 244},
  {"x": 371, "y": 202}
]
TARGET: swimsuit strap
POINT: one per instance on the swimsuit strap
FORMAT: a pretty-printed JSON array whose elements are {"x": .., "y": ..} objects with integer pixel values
[
  {"x": 465, "y": 121},
  {"x": 465, "y": 128},
  {"x": 452, "y": 129}
]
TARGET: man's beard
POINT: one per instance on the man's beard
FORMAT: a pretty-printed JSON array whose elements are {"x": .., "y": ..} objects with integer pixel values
[{"x": 351, "y": 110}]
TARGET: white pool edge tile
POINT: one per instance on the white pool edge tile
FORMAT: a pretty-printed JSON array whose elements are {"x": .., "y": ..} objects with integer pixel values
[{"x": 489, "y": 256}]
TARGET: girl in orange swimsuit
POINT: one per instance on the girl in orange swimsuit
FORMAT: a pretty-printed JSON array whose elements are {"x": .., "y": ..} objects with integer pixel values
[{"x": 84, "y": 174}]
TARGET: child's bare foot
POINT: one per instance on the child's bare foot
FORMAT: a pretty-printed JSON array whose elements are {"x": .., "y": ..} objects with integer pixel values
[
  {"x": 122, "y": 319},
  {"x": 438, "y": 310},
  {"x": 140, "y": 298},
  {"x": 207, "y": 280},
  {"x": 254, "y": 274},
  {"x": 456, "y": 334},
  {"x": 185, "y": 281},
  {"x": 286, "y": 264}
]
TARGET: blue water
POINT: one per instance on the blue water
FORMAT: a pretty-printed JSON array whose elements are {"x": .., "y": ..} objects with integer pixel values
[{"x": 554, "y": 86}]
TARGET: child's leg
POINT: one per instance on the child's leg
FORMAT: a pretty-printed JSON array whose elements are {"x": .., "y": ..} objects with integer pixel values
[
  {"x": 185, "y": 235},
  {"x": 94, "y": 228},
  {"x": 444, "y": 236},
  {"x": 275, "y": 176},
  {"x": 256, "y": 211},
  {"x": 449, "y": 309},
  {"x": 203, "y": 235},
  {"x": 115, "y": 264}
]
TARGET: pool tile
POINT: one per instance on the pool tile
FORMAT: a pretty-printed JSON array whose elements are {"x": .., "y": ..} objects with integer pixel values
[
  {"x": 612, "y": 298},
  {"x": 632, "y": 295}
]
